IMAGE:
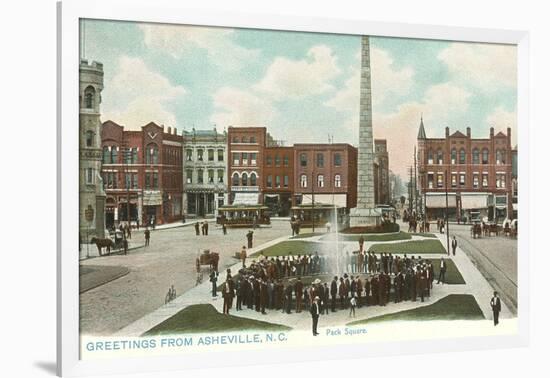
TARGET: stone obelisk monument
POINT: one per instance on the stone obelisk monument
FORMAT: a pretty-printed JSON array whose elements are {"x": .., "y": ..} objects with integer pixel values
[{"x": 365, "y": 213}]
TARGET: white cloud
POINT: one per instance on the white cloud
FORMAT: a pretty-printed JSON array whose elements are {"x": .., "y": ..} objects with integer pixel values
[
  {"x": 489, "y": 67},
  {"x": 177, "y": 40},
  {"x": 386, "y": 81},
  {"x": 241, "y": 108},
  {"x": 286, "y": 78},
  {"x": 501, "y": 119},
  {"x": 136, "y": 95}
]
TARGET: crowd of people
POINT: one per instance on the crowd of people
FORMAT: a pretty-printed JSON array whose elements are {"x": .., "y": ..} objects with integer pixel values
[{"x": 276, "y": 283}]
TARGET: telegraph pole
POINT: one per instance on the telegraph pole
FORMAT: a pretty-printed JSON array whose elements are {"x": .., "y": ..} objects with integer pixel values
[
  {"x": 447, "y": 209},
  {"x": 312, "y": 202}
]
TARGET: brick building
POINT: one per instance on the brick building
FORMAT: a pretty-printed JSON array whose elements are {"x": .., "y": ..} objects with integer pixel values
[
  {"x": 476, "y": 173},
  {"x": 205, "y": 166},
  {"x": 245, "y": 155},
  {"x": 277, "y": 187},
  {"x": 142, "y": 174},
  {"x": 327, "y": 170}
]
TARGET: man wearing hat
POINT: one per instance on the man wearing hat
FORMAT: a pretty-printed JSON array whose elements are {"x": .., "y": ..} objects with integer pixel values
[
  {"x": 298, "y": 290},
  {"x": 495, "y": 306},
  {"x": 315, "y": 311}
]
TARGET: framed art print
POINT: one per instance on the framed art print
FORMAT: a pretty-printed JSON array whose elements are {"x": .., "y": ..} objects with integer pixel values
[{"x": 303, "y": 188}]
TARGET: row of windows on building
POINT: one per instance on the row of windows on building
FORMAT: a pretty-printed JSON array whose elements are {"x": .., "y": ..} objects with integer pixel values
[
  {"x": 321, "y": 181},
  {"x": 200, "y": 179},
  {"x": 320, "y": 160},
  {"x": 244, "y": 158},
  {"x": 459, "y": 180},
  {"x": 269, "y": 160},
  {"x": 113, "y": 154},
  {"x": 478, "y": 156},
  {"x": 211, "y": 154},
  {"x": 244, "y": 139}
]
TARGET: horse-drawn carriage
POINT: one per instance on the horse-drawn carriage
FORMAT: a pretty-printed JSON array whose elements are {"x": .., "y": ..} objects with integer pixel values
[
  {"x": 209, "y": 259},
  {"x": 476, "y": 230}
]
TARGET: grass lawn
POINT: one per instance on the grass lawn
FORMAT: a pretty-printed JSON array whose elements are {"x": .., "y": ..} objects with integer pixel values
[
  {"x": 307, "y": 235},
  {"x": 452, "y": 307},
  {"x": 412, "y": 247},
  {"x": 369, "y": 237},
  {"x": 205, "y": 318},
  {"x": 452, "y": 276},
  {"x": 426, "y": 235},
  {"x": 298, "y": 247}
]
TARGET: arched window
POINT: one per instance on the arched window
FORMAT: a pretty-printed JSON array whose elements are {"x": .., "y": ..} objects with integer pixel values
[
  {"x": 337, "y": 181},
  {"x": 244, "y": 179},
  {"x": 152, "y": 154},
  {"x": 235, "y": 140},
  {"x": 430, "y": 156},
  {"x": 485, "y": 156},
  {"x": 252, "y": 139},
  {"x": 462, "y": 156},
  {"x": 500, "y": 156},
  {"x": 235, "y": 179},
  {"x": 303, "y": 181},
  {"x": 320, "y": 181},
  {"x": 89, "y": 94},
  {"x": 303, "y": 160},
  {"x": 453, "y": 156},
  {"x": 106, "y": 155},
  {"x": 439, "y": 156},
  {"x": 475, "y": 156},
  {"x": 244, "y": 140},
  {"x": 253, "y": 179},
  {"x": 89, "y": 138}
]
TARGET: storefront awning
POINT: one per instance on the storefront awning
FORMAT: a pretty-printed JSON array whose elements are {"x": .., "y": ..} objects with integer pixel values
[
  {"x": 245, "y": 199},
  {"x": 438, "y": 201},
  {"x": 152, "y": 198},
  {"x": 340, "y": 200},
  {"x": 473, "y": 201}
]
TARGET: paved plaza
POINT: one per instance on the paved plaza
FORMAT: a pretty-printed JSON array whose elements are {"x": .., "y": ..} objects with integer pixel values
[{"x": 169, "y": 260}]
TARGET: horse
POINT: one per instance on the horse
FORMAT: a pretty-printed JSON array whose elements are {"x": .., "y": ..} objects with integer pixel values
[{"x": 103, "y": 243}]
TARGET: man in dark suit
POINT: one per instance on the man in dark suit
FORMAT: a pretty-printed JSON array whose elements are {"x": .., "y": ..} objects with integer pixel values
[
  {"x": 442, "y": 270},
  {"x": 333, "y": 293},
  {"x": 495, "y": 305},
  {"x": 326, "y": 292},
  {"x": 454, "y": 244},
  {"x": 315, "y": 311}
]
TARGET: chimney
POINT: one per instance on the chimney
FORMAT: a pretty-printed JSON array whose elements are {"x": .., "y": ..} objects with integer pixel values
[
  {"x": 509, "y": 132},
  {"x": 175, "y": 131},
  {"x": 447, "y": 132},
  {"x": 169, "y": 130},
  {"x": 468, "y": 132},
  {"x": 492, "y": 132}
]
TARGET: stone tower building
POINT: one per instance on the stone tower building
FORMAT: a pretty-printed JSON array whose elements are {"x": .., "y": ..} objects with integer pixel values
[{"x": 91, "y": 193}]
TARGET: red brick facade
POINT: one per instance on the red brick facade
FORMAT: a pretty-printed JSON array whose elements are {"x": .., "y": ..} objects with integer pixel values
[
  {"x": 470, "y": 169},
  {"x": 145, "y": 167}
]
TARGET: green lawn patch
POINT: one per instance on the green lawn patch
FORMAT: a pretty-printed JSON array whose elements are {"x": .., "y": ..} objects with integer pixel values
[
  {"x": 284, "y": 248},
  {"x": 369, "y": 237},
  {"x": 425, "y": 234},
  {"x": 451, "y": 307},
  {"x": 412, "y": 247},
  {"x": 307, "y": 235},
  {"x": 203, "y": 318}
]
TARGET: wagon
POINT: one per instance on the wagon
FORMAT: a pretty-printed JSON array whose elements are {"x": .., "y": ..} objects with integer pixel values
[{"x": 208, "y": 259}]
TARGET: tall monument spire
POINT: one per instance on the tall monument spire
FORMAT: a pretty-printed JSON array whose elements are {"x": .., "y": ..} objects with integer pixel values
[{"x": 365, "y": 212}]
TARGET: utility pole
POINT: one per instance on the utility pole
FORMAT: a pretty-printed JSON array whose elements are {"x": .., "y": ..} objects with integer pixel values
[
  {"x": 447, "y": 209},
  {"x": 312, "y": 202}
]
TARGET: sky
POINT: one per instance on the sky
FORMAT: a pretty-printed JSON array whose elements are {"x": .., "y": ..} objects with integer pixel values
[{"x": 302, "y": 86}]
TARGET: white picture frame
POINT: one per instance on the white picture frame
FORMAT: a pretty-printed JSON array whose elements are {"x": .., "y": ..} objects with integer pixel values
[{"x": 69, "y": 14}]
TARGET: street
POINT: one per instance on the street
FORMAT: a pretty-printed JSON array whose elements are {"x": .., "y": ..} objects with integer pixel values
[
  {"x": 169, "y": 260},
  {"x": 496, "y": 259}
]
